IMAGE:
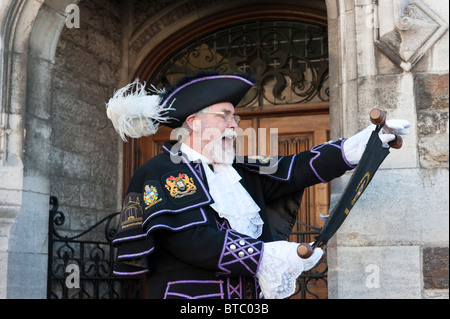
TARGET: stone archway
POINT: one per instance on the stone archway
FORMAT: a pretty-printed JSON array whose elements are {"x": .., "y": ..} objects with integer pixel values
[
  {"x": 182, "y": 22},
  {"x": 31, "y": 32}
]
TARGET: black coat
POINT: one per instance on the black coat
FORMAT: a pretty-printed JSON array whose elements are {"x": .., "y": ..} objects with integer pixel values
[{"x": 169, "y": 232}]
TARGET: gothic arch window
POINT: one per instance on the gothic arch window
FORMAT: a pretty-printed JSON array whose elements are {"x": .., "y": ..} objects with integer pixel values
[{"x": 288, "y": 57}]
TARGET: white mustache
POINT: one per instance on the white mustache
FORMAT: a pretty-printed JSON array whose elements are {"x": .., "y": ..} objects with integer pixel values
[{"x": 229, "y": 134}]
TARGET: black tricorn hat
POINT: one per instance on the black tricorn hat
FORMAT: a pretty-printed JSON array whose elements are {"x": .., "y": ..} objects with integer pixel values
[
  {"x": 196, "y": 92},
  {"x": 136, "y": 113}
]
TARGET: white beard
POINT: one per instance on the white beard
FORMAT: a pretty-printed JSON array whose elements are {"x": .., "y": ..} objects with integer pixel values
[{"x": 222, "y": 149}]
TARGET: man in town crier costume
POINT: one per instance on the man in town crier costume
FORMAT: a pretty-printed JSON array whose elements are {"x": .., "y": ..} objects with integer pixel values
[{"x": 197, "y": 222}]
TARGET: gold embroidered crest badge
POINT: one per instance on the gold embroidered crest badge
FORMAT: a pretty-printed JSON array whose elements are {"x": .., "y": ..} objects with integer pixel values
[
  {"x": 150, "y": 196},
  {"x": 180, "y": 186},
  {"x": 131, "y": 216}
]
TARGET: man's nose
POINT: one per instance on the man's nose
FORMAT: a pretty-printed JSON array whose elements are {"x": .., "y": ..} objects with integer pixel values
[{"x": 233, "y": 124}]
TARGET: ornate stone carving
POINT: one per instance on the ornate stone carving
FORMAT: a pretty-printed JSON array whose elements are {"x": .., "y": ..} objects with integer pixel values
[{"x": 407, "y": 35}]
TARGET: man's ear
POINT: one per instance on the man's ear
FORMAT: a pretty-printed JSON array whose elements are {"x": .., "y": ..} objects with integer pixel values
[{"x": 193, "y": 123}]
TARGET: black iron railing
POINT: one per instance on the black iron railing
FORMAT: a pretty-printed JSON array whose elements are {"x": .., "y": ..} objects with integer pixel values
[{"x": 80, "y": 266}]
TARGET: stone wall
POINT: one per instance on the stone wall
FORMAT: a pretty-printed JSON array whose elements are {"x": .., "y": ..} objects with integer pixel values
[
  {"x": 431, "y": 92},
  {"x": 70, "y": 149},
  {"x": 85, "y": 154},
  {"x": 433, "y": 130},
  {"x": 394, "y": 244},
  {"x": 435, "y": 272}
]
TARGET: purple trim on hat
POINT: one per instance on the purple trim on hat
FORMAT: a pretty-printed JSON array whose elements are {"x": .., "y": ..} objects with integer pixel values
[
  {"x": 132, "y": 273},
  {"x": 214, "y": 77},
  {"x": 195, "y": 282}
]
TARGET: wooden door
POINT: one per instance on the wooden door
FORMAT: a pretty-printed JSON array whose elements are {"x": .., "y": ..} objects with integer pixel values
[
  {"x": 297, "y": 134},
  {"x": 293, "y": 134}
]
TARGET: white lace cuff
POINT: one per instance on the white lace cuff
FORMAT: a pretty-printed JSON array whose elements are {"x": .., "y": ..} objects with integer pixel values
[{"x": 279, "y": 268}]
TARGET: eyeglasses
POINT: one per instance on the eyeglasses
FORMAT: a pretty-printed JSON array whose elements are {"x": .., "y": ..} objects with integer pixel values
[{"x": 228, "y": 116}]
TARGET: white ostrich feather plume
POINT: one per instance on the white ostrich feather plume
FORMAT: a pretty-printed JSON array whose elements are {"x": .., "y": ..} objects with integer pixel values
[{"x": 134, "y": 112}]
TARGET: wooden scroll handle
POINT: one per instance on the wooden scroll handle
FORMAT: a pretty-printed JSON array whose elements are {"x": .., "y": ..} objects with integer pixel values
[
  {"x": 304, "y": 250},
  {"x": 378, "y": 117}
]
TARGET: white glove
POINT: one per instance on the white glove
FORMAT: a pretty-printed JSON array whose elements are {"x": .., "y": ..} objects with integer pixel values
[
  {"x": 354, "y": 146},
  {"x": 310, "y": 262},
  {"x": 280, "y": 267}
]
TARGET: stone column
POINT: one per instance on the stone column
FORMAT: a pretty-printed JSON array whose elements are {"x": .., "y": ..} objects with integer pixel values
[{"x": 389, "y": 55}]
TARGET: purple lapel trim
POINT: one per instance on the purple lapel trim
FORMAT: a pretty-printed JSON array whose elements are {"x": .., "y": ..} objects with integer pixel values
[{"x": 162, "y": 211}]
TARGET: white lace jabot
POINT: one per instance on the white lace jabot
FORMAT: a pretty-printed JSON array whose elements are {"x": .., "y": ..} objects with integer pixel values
[{"x": 231, "y": 199}]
